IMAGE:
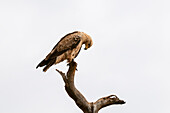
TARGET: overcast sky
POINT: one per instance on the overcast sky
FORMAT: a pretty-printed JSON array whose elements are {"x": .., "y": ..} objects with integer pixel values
[{"x": 130, "y": 56}]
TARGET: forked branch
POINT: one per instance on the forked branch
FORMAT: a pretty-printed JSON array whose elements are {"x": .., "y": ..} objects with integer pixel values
[{"x": 80, "y": 100}]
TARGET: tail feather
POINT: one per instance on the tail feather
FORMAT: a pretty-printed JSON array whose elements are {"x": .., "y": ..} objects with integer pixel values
[
  {"x": 50, "y": 63},
  {"x": 42, "y": 63},
  {"x": 47, "y": 63}
]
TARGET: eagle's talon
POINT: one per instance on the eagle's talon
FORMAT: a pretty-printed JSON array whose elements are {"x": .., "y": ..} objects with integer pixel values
[
  {"x": 68, "y": 64},
  {"x": 72, "y": 60}
]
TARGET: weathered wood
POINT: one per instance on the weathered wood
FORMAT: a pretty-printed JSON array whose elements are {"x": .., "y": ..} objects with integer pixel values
[{"x": 79, "y": 99}]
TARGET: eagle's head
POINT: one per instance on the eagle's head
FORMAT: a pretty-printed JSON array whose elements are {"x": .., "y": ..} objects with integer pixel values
[{"x": 88, "y": 43}]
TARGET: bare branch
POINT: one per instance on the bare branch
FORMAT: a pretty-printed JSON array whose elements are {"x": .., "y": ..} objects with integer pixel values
[
  {"x": 79, "y": 99},
  {"x": 62, "y": 74},
  {"x": 106, "y": 101}
]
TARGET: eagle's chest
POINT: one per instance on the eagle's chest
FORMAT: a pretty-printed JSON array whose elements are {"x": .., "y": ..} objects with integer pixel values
[
  {"x": 69, "y": 55},
  {"x": 75, "y": 51}
]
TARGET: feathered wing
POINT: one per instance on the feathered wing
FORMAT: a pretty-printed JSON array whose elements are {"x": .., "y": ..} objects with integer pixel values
[{"x": 66, "y": 43}]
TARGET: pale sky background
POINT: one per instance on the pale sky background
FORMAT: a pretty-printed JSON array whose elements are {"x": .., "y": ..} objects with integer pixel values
[{"x": 130, "y": 56}]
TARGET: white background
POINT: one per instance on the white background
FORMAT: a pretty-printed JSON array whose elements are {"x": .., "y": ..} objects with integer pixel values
[{"x": 130, "y": 56}]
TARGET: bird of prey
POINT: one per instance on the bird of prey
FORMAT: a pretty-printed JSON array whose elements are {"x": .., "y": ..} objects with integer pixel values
[{"x": 66, "y": 49}]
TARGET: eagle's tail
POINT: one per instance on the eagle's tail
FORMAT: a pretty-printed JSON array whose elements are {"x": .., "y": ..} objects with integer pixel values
[
  {"x": 46, "y": 63},
  {"x": 50, "y": 63},
  {"x": 42, "y": 63}
]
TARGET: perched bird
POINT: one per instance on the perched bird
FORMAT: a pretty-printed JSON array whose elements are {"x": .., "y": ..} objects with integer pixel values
[{"x": 66, "y": 49}]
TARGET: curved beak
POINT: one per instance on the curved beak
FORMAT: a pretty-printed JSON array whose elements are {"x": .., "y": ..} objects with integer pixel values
[{"x": 86, "y": 47}]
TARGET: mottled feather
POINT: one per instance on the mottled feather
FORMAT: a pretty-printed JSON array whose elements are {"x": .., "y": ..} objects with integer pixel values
[
  {"x": 66, "y": 49},
  {"x": 64, "y": 45}
]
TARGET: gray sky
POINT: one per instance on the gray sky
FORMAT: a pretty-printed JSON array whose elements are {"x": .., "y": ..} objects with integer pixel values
[{"x": 130, "y": 56}]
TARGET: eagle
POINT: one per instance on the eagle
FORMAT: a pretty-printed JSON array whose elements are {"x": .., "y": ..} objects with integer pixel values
[{"x": 66, "y": 49}]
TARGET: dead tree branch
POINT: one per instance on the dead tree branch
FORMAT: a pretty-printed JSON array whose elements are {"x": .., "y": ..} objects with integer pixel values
[{"x": 80, "y": 100}]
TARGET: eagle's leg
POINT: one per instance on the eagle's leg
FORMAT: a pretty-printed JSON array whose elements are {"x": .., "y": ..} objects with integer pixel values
[{"x": 70, "y": 64}]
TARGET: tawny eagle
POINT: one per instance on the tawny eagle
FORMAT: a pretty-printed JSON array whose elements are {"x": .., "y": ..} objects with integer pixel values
[{"x": 66, "y": 49}]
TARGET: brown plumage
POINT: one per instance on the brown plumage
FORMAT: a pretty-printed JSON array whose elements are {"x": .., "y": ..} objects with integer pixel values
[{"x": 66, "y": 49}]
